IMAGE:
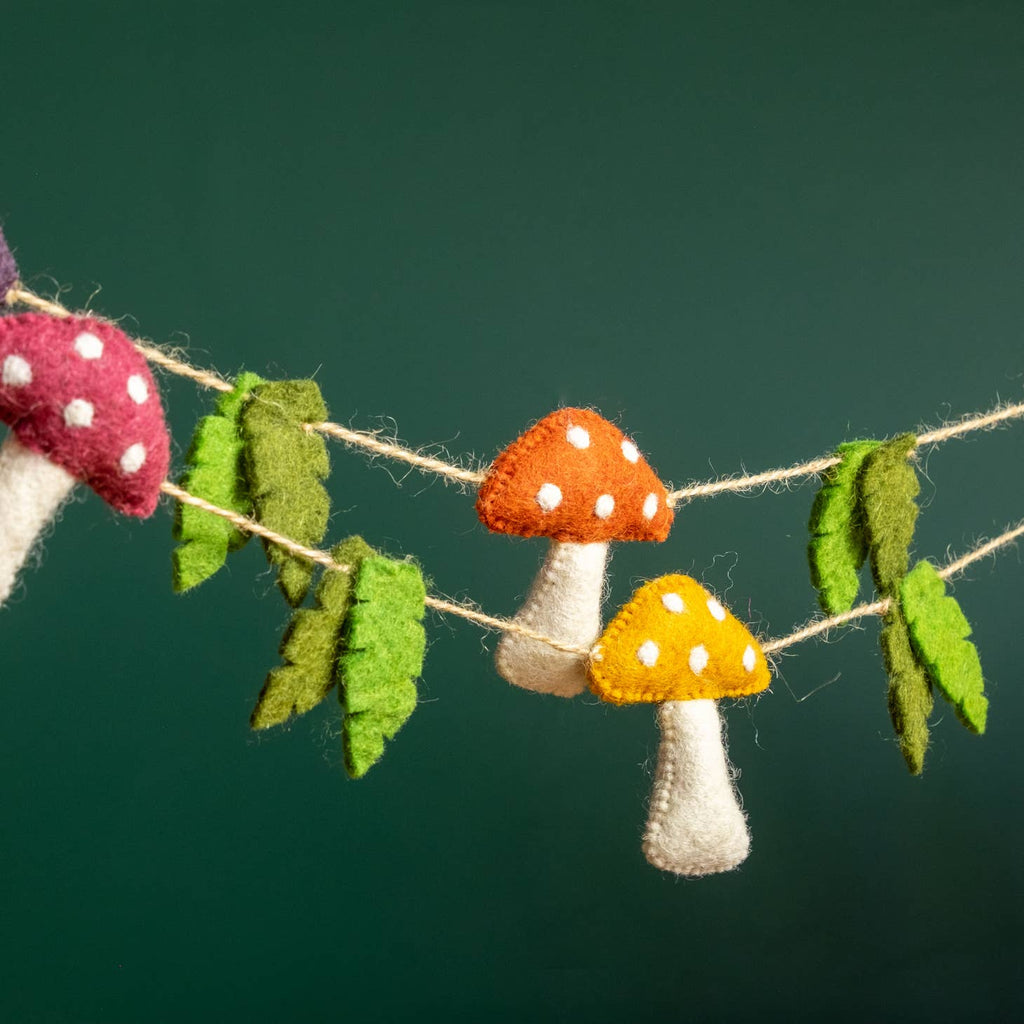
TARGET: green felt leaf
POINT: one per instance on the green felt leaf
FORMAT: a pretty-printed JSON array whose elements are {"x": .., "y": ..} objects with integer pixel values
[
  {"x": 838, "y": 544},
  {"x": 381, "y": 657},
  {"x": 888, "y": 486},
  {"x": 910, "y": 693},
  {"x": 215, "y": 474},
  {"x": 938, "y": 632},
  {"x": 284, "y": 465},
  {"x": 310, "y": 644}
]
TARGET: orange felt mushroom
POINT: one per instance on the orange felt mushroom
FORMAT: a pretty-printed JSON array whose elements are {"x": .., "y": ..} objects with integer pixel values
[
  {"x": 676, "y": 645},
  {"x": 578, "y": 480}
]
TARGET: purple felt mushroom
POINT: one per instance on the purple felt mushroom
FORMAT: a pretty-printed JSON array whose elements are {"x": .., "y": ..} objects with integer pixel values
[
  {"x": 82, "y": 406},
  {"x": 8, "y": 269}
]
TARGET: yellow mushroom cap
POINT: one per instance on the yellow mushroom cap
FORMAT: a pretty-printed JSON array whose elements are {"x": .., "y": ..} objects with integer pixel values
[{"x": 675, "y": 641}]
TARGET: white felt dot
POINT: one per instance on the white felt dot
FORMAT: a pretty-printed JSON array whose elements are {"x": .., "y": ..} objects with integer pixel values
[
  {"x": 88, "y": 346},
  {"x": 137, "y": 390},
  {"x": 604, "y": 506},
  {"x": 749, "y": 658},
  {"x": 650, "y": 506},
  {"x": 647, "y": 653},
  {"x": 717, "y": 611},
  {"x": 549, "y": 497},
  {"x": 578, "y": 437},
  {"x": 133, "y": 459},
  {"x": 673, "y": 602},
  {"x": 78, "y": 413},
  {"x": 16, "y": 372},
  {"x": 698, "y": 659},
  {"x": 630, "y": 451}
]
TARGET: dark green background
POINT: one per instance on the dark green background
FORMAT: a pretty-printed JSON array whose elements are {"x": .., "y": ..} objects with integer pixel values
[{"x": 747, "y": 231}]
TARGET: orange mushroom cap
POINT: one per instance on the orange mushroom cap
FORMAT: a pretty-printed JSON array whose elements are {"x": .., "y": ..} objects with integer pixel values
[
  {"x": 574, "y": 477},
  {"x": 675, "y": 641}
]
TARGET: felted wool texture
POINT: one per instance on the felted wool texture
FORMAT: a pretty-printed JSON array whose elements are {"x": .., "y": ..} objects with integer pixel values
[
  {"x": 381, "y": 656},
  {"x": 695, "y": 825},
  {"x": 310, "y": 644},
  {"x": 8, "y": 268},
  {"x": 674, "y": 641},
  {"x": 838, "y": 544},
  {"x": 75, "y": 390},
  {"x": 32, "y": 490},
  {"x": 938, "y": 633},
  {"x": 888, "y": 486},
  {"x": 910, "y": 693},
  {"x": 564, "y": 603},
  {"x": 215, "y": 474},
  {"x": 283, "y": 467},
  {"x": 574, "y": 477}
]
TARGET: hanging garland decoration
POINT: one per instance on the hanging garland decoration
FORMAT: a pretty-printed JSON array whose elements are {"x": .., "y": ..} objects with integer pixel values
[{"x": 82, "y": 405}]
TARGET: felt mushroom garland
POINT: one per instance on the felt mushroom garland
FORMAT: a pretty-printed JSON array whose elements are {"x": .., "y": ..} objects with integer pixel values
[
  {"x": 676, "y": 645},
  {"x": 82, "y": 406},
  {"x": 578, "y": 480}
]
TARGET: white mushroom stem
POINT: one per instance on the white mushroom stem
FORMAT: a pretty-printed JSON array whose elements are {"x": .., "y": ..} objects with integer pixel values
[
  {"x": 564, "y": 603},
  {"x": 32, "y": 489},
  {"x": 695, "y": 825}
]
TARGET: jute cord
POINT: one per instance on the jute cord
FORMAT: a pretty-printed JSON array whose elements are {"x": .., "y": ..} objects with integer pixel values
[
  {"x": 372, "y": 442},
  {"x": 19, "y": 295},
  {"x": 816, "y": 627}
]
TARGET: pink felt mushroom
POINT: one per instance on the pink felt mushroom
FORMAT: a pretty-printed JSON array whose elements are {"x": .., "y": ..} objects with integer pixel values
[{"x": 82, "y": 406}]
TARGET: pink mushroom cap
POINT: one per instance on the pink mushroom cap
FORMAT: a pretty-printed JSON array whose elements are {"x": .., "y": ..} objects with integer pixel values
[{"x": 76, "y": 391}]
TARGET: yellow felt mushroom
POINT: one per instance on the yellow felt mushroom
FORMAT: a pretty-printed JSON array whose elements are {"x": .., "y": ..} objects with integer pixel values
[{"x": 675, "y": 645}]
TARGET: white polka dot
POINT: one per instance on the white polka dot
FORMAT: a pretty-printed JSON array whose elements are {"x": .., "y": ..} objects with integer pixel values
[
  {"x": 749, "y": 658},
  {"x": 16, "y": 372},
  {"x": 88, "y": 346},
  {"x": 133, "y": 459},
  {"x": 698, "y": 659},
  {"x": 717, "y": 611},
  {"x": 650, "y": 506},
  {"x": 604, "y": 506},
  {"x": 630, "y": 451},
  {"x": 647, "y": 653},
  {"x": 78, "y": 413},
  {"x": 578, "y": 437},
  {"x": 673, "y": 602},
  {"x": 549, "y": 497},
  {"x": 137, "y": 389}
]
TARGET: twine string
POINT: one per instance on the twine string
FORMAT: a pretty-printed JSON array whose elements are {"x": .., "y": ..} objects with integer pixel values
[
  {"x": 372, "y": 442},
  {"x": 440, "y": 604},
  {"x": 18, "y": 294},
  {"x": 816, "y": 627},
  {"x": 207, "y": 379}
]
